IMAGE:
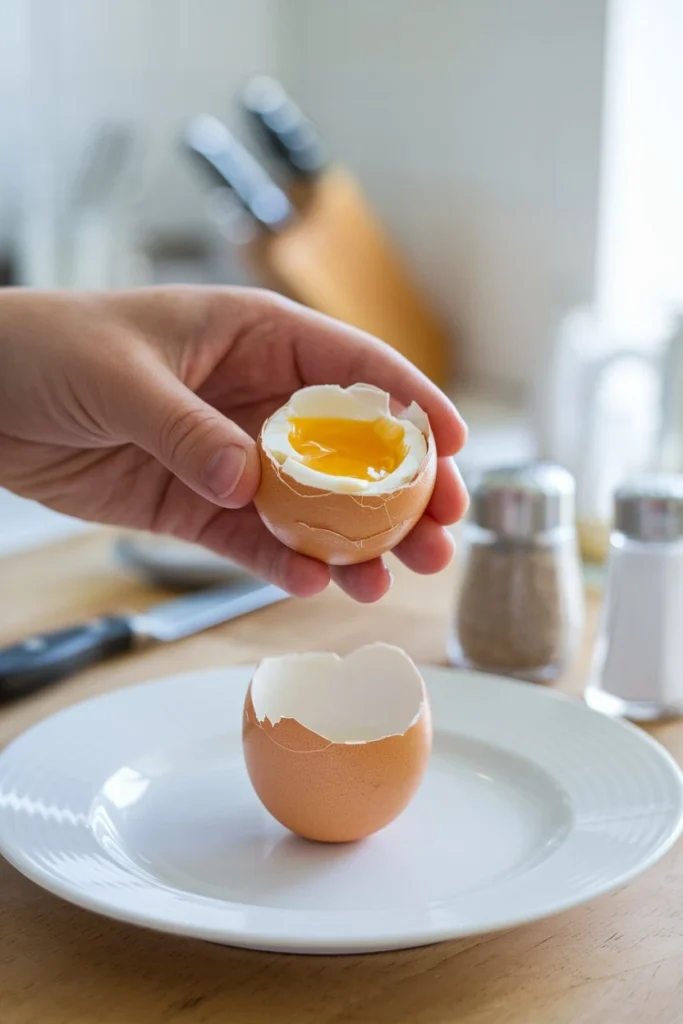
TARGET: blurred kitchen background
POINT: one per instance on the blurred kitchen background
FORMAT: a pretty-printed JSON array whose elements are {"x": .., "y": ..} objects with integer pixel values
[{"x": 508, "y": 176}]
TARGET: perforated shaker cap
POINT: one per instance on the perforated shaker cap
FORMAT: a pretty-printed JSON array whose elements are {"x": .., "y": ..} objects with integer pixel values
[
  {"x": 650, "y": 507},
  {"x": 521, "y": 502}
]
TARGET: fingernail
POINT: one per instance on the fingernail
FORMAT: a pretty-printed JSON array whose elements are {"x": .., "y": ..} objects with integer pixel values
[{"x": 224, "y": 471}]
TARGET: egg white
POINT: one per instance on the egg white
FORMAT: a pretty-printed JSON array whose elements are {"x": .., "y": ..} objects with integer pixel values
[{"x": 358, "y": 402}]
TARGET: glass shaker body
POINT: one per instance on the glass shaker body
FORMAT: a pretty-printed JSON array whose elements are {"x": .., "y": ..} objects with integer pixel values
[
  {"x": 519, "y": 606},
  {"x": 637, "y": 668}
]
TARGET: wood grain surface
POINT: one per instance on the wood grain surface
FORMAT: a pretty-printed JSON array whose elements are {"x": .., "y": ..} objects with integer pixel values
[{"x": 616, "y": 961}]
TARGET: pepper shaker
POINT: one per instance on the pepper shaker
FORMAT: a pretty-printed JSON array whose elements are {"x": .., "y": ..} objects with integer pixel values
[
  {"x": 519, "y": 607},
  {"x": 637, "y": 668}
]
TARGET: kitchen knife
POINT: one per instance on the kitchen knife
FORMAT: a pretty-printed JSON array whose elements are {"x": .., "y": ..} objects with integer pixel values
[
  {"x": 323, "y": 245},
  {"x": 47, "y": 657},
  {"x": 288, "y": 133},
  {"x": 208, "y": 140}
]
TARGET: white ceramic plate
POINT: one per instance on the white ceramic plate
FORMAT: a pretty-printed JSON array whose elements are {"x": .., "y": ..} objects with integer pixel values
[{"x": 137, "y": 805}]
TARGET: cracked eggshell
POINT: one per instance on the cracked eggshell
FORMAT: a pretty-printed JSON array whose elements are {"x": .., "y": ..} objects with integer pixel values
[
  {"x": 339, "y": 527},
  {"x": 336, "y": 747}
]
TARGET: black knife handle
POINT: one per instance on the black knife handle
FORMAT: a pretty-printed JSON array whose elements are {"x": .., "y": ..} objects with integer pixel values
[{"x": 47, "y": 657}]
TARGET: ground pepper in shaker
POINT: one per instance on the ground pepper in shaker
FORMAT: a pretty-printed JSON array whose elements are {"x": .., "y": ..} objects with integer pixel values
[
  {"x": 637, "y": 668},
  {"x": 519, "y": 606}
]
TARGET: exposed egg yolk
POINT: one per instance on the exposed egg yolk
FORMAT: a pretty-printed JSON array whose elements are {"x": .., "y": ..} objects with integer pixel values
[{"x": 362, "y": 449}]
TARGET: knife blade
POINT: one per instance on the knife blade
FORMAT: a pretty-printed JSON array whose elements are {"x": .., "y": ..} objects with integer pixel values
[
  {"x": 228, "y": 161},
  {"x": 290, "y": 135},
  {"x": 47, "y": 657}
]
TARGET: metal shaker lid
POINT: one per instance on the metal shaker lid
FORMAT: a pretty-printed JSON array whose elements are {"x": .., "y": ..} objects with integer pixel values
[
  {"x": 650, "y": 507},
  {"x": 523, "y": 501}
]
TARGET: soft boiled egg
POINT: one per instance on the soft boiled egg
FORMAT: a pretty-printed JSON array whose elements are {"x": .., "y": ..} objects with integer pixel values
[
  {"x": 336, "y": 747},
  {"x": 343, "y": 479}
]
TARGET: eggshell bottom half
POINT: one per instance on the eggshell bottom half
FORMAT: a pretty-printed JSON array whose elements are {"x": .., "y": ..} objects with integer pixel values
[{"x": 333, "y": 792}]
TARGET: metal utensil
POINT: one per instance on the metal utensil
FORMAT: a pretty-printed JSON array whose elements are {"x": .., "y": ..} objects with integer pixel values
[
  {"x": 168, "y": 562},
  {"x": 228, "y": 162},
  {"x": 288, "y": 133},
  {"x": 47, "y": 657}
]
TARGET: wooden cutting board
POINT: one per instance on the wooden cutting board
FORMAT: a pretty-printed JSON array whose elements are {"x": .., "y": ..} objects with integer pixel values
[{"x": 616, "y": 961}]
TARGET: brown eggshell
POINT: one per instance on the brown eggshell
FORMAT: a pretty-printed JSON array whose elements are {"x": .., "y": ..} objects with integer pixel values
[
  {"x": 333, "y": 792},
  {"x": 341, "y": 529}
]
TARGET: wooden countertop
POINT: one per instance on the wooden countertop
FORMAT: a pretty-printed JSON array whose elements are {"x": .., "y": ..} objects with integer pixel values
[{"x": 614, "y": 961}]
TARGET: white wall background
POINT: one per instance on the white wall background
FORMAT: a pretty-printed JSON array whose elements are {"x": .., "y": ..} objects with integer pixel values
[
  {"x": 473, "y": 124},
  {"x": 640, "y": 241},
  {"x": 14, "y": 105},
  {"x": 152, "y": 63},
  {"x": 475, "y": 127}
]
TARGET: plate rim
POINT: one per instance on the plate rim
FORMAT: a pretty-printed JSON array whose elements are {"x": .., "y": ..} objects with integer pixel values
[{"x": 226, "y": 935}]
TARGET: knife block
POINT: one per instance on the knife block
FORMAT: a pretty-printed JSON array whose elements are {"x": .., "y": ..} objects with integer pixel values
[{"x": 336, "y": 258}]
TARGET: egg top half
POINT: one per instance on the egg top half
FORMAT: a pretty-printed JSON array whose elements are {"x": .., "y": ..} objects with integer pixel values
[
  {"x": 343, "y": 477},
  {"x": 347, "y": 440}
]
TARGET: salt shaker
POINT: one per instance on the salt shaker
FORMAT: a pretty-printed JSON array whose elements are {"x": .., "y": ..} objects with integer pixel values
[
  {"x": 519, "y": 607},
  {"x": 637, "y": 668}
]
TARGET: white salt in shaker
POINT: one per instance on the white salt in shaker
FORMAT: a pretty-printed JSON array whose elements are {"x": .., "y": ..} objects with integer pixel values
[{"x": 637, "y": 667}]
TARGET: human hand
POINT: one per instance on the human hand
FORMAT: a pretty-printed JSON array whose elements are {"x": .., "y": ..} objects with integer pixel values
[{"x": 139, "y": 409}]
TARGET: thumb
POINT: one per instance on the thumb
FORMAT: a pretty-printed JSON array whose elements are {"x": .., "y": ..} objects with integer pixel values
[{"x": 201, "y": 447}]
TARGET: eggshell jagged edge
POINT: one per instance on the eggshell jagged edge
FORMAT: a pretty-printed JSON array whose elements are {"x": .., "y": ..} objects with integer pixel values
[
  {"x": 317, "y": 688},
  {"x": 307, "y": 519},
  {"x": 289, "y": 734}
]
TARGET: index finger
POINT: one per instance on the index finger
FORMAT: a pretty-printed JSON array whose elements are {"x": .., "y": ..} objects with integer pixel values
[{"x": 330, "y": 352}]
